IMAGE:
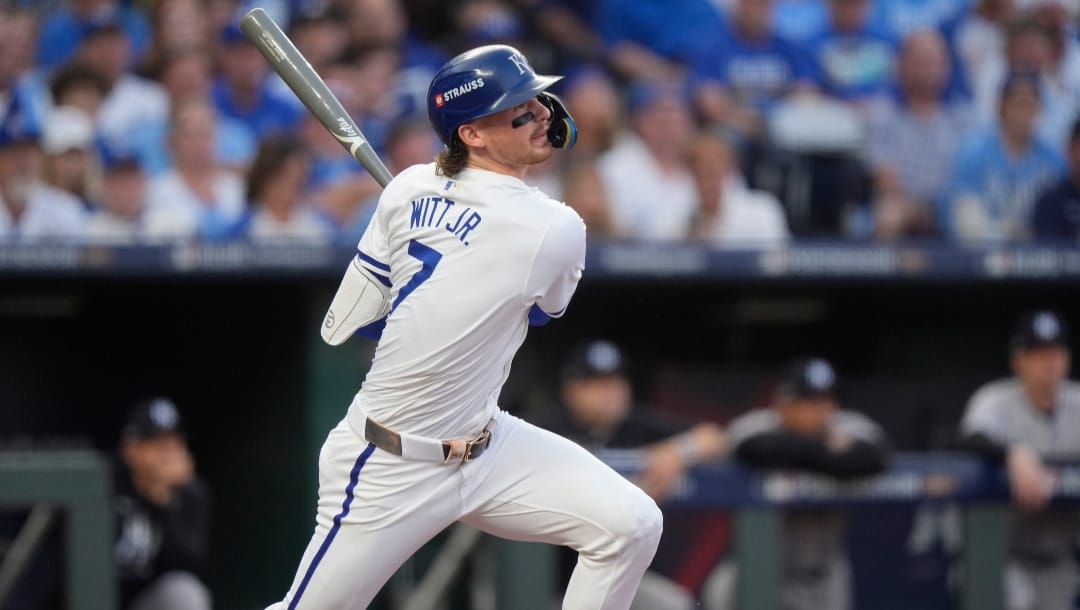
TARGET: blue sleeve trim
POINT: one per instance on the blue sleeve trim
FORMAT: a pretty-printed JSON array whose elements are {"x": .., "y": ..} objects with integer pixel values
[
  {"x": 537, "y": 317},
  {"x": 385, "y": 281},
  {"x": 374, "y": 330},
  {"x": 354, "y": 478},
  {"x": 374, "y": 263}
]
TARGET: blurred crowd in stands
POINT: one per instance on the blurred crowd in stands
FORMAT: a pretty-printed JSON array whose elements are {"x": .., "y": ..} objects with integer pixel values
[{"x": 735, "y": 123}]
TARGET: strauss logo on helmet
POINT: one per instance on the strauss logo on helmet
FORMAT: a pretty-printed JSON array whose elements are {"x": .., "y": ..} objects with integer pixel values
[{"x": 453, "y": 92}]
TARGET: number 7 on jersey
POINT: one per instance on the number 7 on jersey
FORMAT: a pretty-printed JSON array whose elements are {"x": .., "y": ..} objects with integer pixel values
[{"x": 429, "y": 259}]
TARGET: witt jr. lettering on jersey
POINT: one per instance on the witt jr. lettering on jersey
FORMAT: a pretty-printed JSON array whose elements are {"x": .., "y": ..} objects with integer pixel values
[{"x": 433, "y": 211}]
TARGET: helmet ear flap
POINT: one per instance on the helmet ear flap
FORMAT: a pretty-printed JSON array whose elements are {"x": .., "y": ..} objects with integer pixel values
[{"x": 563, "y": 130}]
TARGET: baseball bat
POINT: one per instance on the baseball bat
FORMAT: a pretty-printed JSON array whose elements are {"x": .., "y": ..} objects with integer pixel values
[{"x": 298, "y": 74}]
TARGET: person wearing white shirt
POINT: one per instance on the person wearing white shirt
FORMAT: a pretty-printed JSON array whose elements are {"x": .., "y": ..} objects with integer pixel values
[
  {"x": 650, "y": 189},
  {"x": 120, "y": 217},
  {"x": 44, "y": 213},
  {"x": 31, "y": 210},
  {"x": 196, "y": 198},
  {"x": 1032, "y": 46},
  {"x": 980, "y": 42},
  {"x": 730, "y": 214},
  {"x": 131, "y": 101}
]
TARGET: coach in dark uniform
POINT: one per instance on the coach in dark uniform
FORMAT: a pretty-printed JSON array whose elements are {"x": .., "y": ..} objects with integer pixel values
[
  {"x": 598, "y": 412},
  {"x": 805, "y": 429},
  {"x": 163, "y": 514},
  {"x": 1019, "y": 422},
  {"x": 1056, "y": 215}
]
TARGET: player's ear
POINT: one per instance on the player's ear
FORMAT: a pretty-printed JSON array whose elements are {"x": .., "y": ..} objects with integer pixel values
[{"x": 470, "y": 135}]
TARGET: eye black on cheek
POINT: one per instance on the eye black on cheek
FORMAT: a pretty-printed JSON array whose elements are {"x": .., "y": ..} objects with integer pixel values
[{"x": 523, "y": 119}]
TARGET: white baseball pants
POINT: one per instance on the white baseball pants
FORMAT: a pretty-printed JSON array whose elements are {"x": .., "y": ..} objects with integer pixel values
[{"x": 376, "y": 509}]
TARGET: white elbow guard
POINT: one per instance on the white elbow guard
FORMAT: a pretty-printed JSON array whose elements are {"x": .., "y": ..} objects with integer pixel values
[{"x": 360, "y": 300}]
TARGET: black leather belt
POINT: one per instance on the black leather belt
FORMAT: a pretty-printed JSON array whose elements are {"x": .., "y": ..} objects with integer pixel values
[{"x": 464, "y": 449}]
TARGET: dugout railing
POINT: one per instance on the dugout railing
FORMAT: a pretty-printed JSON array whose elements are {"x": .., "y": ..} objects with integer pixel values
[
  {"x": 77, "y": 484},
  {"x": 757, "y": 501},
  {"x": 69, "y": 487}
]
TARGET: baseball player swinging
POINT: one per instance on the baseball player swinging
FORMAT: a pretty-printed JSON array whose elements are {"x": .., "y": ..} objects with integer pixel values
[{"x": 459, "y": 259}]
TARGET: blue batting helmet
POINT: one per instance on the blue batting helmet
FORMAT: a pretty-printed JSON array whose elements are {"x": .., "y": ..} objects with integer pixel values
[{"x": 480, "y": 82}]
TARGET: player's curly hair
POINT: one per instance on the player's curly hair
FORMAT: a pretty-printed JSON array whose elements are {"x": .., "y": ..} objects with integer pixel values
[{"x": 453, "y": 159}]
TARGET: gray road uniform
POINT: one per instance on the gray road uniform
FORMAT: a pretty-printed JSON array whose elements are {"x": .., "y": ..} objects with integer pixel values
[
  {"x": 815, "y": 573},
  {"x": 1041, "y": 573}
]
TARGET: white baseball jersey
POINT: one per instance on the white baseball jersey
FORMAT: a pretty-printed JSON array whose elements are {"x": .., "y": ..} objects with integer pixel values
[{"x": 466, "y": 259}]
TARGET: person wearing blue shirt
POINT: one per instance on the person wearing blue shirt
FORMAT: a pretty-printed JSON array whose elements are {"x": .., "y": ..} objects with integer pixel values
[
  {"x": 569, "y": 26},
  {"x": 854, "y": 59},
  {"x": 904, "y": 16},
  {"x": 417, "y": 63},
  {"x": 998, "y": 173},
  {"x": 800, "y": 20},
  {"x": 898, "y": 18},
  {"x": 63, "y": 30},
  {"x": 409, "y": 142},
  {"x": 327, "y": 170},
  {"x": 18, "y": 77},
  {"x": 242, "y": 92},
  {"x": 1057, "y": 210},
  {"x": 655, "y": 39},
  {"x": 32, "y": 94},
  {"x": 185, "y": 74},
  {"x": 336, "y": 183},
  {"x": 741, "y": 76}
]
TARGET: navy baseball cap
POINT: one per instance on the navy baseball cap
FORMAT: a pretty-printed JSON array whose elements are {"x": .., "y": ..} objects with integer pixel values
[
  {"x": 104, "y": 23},
  {"x": 499, "y": 25},
  {"x": 643, "y": 94},
  {"x": 17, "y": 125},
  {"x": 600, "y": 358},
  {"x": 578, "y": 75},
  {"x": 231, "y": 34},
  {"x": 152, "y": 418},
  {"x": 1040, "y": 328},
  {"x": 117, "y": 155},
  {"x": 808, "y": 378}
]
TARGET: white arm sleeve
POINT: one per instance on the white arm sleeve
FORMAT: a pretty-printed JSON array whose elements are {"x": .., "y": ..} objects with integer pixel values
[
  {"x": 360, "y": 300},
  {"x": 364, "y": 294},
  {"x": 559, "y": 262}
]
